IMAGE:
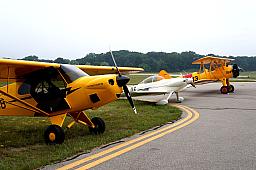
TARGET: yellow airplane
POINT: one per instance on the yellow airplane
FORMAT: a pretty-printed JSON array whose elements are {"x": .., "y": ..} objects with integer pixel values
[
  {"x": 214, "y": 69},
  {"x": 52, "y": 90}
]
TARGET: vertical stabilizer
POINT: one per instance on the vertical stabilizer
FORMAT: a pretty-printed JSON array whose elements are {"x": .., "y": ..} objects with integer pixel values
[{"x": 164, "y": 74}]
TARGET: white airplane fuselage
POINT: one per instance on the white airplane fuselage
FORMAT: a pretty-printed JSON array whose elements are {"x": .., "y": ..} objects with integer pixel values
[{"x": 162, "y": 86}]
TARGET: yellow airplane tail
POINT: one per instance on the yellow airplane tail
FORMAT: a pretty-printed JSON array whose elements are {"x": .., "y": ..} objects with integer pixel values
[{"x": 164, "y": 74}]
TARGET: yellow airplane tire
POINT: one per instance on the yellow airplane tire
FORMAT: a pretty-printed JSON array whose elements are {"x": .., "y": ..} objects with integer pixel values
[
  {"x": 231, "y": 88},
  {"x": 54, "y": 134},
  {"x": 99, "y": 126},
  {"x": 224, "y": 89}
]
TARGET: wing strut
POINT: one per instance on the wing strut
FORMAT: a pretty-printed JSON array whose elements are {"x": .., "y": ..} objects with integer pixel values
[{"x": 25, "y": 103}]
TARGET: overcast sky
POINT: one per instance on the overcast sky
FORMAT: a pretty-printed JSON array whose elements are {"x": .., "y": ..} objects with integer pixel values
[{"x": 73, "y": 28}]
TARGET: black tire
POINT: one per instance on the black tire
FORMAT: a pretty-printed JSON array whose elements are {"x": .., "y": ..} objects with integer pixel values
[
  {"x": 99, "y": 126},
  {"x": 54, "y": 134},
  {"x": 231, "y": 88},
  {"x": 224, "y": 89}
]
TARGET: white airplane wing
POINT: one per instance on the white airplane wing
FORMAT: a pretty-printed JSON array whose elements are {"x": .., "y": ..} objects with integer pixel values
[{"x": 150, "y": 91}]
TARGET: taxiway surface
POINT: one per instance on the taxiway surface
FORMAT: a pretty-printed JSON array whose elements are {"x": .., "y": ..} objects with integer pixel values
[{"x": 222, "y": 138}]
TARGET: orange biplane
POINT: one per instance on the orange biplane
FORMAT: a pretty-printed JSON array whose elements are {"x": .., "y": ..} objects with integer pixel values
[
  {"x": 58, "y": 90},
  {"x": 214, "y": 69}
]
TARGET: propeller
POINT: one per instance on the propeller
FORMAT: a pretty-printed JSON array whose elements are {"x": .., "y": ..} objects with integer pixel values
[
  {"x": 235, "y": 70},
  {"x": 241, "y": 69},
  {"x": 121, "y": 82}
]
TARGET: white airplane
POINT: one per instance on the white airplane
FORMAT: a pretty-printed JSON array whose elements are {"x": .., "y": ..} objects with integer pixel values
[{"x": 157, "y": 84}]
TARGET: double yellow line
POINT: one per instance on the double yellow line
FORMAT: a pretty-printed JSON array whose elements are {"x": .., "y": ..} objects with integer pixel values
[{"x": 192, "y": 115}]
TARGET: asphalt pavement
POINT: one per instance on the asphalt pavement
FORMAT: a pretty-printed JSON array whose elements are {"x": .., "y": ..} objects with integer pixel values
[{"x": 222, "y": 138}]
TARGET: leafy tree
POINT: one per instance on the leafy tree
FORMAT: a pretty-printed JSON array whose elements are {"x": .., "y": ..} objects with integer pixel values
[
  {"x": 151, "y": 61},
  {"x": 62, "y": 60},
  {"x": 31, "y": 58}
]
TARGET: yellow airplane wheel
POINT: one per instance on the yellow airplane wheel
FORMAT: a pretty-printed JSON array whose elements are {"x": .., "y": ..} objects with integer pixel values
[
  {"x": 231, "y": 88},
  {"x": 99, "y": 126},
  {"x": 224, "y": 89},
  {"x": 54, "y": 134}
]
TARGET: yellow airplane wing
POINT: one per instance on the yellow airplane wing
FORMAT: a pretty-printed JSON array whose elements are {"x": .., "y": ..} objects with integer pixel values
[
  {"x": 96, "y": 70},
  {"x": 15, "y": 69},
  {"x": 209, "y": 59}
]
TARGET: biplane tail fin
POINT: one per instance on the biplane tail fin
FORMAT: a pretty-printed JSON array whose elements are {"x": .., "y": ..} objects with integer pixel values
[{"x": 164, "y": 74}]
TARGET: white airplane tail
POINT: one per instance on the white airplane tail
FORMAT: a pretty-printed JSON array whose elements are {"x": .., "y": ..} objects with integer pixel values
[{"x": 164, "y": 74}]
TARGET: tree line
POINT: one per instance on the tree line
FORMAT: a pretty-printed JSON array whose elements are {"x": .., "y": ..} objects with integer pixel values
[{"x": 151, "y": 61}]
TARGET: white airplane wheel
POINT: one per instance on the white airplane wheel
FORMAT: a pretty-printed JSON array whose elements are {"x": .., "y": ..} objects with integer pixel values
[
  {"x": 181, "y": 99},
  {"x": 162, "y": 102}
]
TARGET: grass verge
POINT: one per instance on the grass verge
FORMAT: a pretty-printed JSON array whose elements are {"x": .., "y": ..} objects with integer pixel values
[{"x": 21, "y": 138}]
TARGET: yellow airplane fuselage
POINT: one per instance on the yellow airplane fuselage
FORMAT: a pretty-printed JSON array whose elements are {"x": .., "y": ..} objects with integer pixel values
[
  {"x": 89, "y": 92},
  {"x": 218, "y": 73}
]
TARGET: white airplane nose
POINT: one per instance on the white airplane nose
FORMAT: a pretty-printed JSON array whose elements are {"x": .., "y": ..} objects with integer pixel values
[{"x": 189, "y": 80}]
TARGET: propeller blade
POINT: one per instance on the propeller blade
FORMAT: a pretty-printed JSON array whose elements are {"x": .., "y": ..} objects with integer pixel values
[
  {"x": 240, "y": 69},
  {"x": 128, "y": 95},
  {"x": 113, "y": 58},
  {"x": 235, "y": 71},
  {"x": 122, "y": 81}
]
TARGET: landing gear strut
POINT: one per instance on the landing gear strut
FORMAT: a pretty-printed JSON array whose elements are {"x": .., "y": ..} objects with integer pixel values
[{"x": 227, "y": 87}]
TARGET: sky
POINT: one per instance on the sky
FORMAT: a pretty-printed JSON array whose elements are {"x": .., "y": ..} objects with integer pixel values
[{"x": 71, "y": 29}]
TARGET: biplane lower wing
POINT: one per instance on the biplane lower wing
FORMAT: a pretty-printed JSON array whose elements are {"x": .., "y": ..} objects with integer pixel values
[{"x": 205, "y": 81}]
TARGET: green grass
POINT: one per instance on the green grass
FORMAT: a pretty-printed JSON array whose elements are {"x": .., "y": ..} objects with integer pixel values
[
  {"x": 137, "y": 78},
  {"x": 248, "y": 76},
  {"x": 21, "y": 138}
]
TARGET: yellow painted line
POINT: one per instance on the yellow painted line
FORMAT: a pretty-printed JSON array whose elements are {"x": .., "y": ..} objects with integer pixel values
[
  {"x": 115, "y": 154},
  {"x": 89, "y": 158}
]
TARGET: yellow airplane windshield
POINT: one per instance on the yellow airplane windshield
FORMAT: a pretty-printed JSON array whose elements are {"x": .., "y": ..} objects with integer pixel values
[{"x": 71, "y": 73}]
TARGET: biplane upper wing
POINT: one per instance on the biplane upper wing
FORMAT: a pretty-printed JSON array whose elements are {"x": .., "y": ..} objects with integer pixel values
[
  {"x": 96, "y": 70},
  {"x": 209, "y": 59}
]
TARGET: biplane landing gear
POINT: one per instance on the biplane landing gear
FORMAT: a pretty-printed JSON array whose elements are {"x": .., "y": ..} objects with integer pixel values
[
  {"x": 54, "y": 134},
  {"x": 99, "y": 126},
  {"x": 227, "y": 89},
  {"x": 231, "y": 88},
  {"x": 224, "y": 89}
]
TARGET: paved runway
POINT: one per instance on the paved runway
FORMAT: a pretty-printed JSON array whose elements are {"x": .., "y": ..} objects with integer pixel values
[{"x": 222, "y": 138}]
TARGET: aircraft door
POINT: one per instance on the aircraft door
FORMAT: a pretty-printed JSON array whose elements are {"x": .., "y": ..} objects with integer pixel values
[{"x": 48, "y": 89}]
